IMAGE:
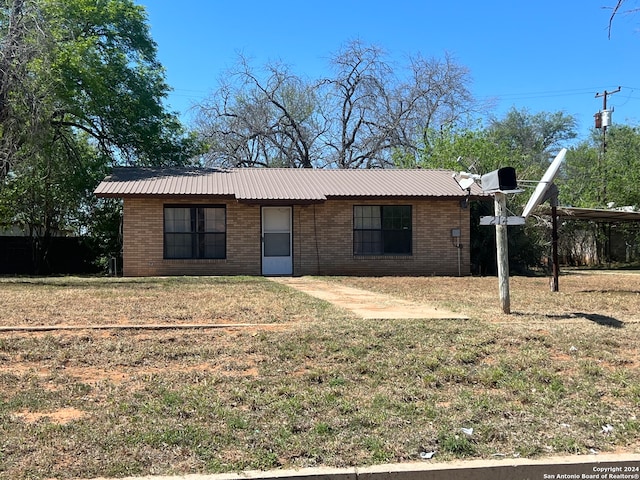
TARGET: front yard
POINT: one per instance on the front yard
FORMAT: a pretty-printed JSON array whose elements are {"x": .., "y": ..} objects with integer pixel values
[{"x": 303, "y": 383}]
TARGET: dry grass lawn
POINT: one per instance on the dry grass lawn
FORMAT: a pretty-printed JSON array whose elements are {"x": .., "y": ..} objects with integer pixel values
[{"x": 310, "y": 384}]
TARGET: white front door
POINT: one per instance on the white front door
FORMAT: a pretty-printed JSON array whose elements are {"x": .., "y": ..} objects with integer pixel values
[{"x": 277, "y": 258}]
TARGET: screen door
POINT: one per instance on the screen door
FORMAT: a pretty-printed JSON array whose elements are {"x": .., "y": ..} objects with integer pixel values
[{"x": 277, "y": 258}]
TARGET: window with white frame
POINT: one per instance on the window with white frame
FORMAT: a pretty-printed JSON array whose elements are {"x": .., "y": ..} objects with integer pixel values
[
  {"x": 382, "y": 230},
  {"x": 195, "y": 231}
]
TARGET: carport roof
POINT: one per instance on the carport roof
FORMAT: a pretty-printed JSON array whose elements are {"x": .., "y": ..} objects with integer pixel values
[
  {"x": 280, "y": 184},
  {"x": 594, "y": 214}
]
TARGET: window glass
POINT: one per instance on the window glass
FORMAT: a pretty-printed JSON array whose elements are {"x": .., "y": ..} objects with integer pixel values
[
  {"x": 177, "y": 219},
  {"x": 213, "y": 245},
  {"x": 214, "y": 220},
  {"x": 368, "y": 242},
  {"x": 382, "y": 229},
  {"x": 277, "y": 245},
  {"x": 178, "y": 245},
  {"x": 194, "y": 232},
  {"x": 367, "y": 216}
]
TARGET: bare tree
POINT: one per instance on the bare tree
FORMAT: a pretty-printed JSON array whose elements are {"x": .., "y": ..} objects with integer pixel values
[
  {"x": 356, "y": 104},
  {"x": 615, "y": 10},
  {"x": 439, "y": 94},
  {"x": 261, "y": 123},
  {"x": 359, "y": 117},
  {"x": 375, "y": 113}
]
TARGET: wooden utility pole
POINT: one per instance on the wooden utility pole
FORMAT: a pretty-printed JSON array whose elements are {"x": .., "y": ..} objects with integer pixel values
[
  {"x": 605, "y": 119},
  {"x": 604, "y": 96},
  {"x": 502, "y": 249},
  {"x": 554, "y": 245},
  {"x": 552, "y": 196}
]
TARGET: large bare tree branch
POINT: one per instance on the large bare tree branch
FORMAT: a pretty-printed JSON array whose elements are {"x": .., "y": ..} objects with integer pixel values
[{"x": 356, "y": 118}]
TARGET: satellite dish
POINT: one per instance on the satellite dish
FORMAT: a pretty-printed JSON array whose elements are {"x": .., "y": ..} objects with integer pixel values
[
  {"x": 544, "y": 184},
  {"x": 466, "y": 183}
]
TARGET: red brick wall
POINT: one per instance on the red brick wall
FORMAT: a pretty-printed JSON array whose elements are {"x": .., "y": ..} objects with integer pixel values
[{"x": 322, "y": 240}]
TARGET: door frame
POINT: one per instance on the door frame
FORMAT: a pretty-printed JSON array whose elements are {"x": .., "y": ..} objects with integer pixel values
[{"x": 283, "y": 267}]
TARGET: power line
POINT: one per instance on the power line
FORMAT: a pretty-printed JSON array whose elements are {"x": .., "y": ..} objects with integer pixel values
[{"x": 552, "y": 93}]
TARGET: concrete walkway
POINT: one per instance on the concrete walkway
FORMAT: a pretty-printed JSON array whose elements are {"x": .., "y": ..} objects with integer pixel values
[{"x": 364, "y": 303}]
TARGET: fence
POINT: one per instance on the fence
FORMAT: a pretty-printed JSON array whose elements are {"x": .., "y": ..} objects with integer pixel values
[{"x": 65, "y": 255}]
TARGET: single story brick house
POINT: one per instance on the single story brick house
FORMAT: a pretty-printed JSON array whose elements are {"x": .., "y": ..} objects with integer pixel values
[{"x": 260, "y": 221}]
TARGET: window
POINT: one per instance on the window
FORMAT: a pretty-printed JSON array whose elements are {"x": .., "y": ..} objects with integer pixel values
[
  {"x": 195, "y": 232},
  {"x": 382, "y": 230}
]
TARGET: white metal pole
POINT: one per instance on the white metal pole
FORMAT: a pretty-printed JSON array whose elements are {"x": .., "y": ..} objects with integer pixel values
[{"x": 502, "y": 248}]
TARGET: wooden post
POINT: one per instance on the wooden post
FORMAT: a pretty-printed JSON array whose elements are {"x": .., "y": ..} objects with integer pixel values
[
  {"x": 554, "y": 245},
  {"x": 502, "y": 248}
]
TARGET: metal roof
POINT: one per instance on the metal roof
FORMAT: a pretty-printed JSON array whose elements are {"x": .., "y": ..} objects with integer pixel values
[
  {"x": 281, "y": 184},
  {"x": 593, "y": 214}
]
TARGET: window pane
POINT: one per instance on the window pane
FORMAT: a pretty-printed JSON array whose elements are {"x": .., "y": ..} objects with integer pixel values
[
  {"x": 276, "y": 245},
  {"x": 177, "y": 219},
  {"x": 366, "y": 216},
  {"x": 213, "y": 245},
  {"x": 367, "y": 242},
  {"x": 396, "y": 217},
  {"x": 214, "y": 220},
  {"x": 397, "y": 241},
  {"x": 178, "y": 245},
  {"x": 277, "y": 219},
  {"x": 380, "y": 230},
  {"x": 358, "y": 214}
]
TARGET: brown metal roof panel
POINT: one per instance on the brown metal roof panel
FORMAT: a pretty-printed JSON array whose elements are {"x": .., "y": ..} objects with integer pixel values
[
  {"x": 281, "y": 184},
  {"x": 165, "y": 181},
  {"x": 275, "y": 184},
  {"x": 391, "y": 183}
]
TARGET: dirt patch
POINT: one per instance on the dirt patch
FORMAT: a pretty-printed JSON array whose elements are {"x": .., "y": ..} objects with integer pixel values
[{"x": 61, "y": 416}]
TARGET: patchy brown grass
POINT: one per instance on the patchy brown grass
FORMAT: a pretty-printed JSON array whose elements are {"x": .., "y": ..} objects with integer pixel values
[
  {"x": 312, "y": 385},
  {"x": 99, "y": 301}
]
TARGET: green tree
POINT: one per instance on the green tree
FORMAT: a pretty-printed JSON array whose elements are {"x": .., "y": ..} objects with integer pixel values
[
  {"x": 622, "y": 166},
  {"x": 593, "y": 178},
  {"x": 533, "y": 139},
  {"x": 23, "y": 46},
  {"x": 580, "y": 181},
  {"x": 49, "y": 194},
  {"x": 91, "y": 96},
  {"x": 109, "y": 83},
  {"x": 520, "y": 140},
  {"x": 454, "y": 149}
]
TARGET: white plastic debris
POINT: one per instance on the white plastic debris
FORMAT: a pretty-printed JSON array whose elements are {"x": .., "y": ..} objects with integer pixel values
[
  {"x": 573, "y": 349},
  {"x": 467, "y": 431},
  {"x": 427, "y": 455},
  {"x": 593, "y": 451},
  {"x": 607, "y": 428},
  {"x": 565, "y": 425}
]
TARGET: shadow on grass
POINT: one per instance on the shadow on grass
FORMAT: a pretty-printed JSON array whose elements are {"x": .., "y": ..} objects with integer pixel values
[
  {"x": 603, "y": 320},
  {"x": 621, "y": 292}
]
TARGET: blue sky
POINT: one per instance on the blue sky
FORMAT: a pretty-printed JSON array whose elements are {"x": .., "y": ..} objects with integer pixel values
[{"x": 543, "y": 55}]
